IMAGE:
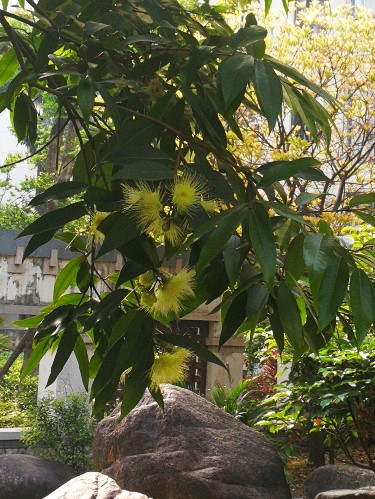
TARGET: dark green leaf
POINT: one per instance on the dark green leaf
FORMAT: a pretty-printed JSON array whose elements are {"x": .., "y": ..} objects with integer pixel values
[
  {"x": 362, "y": 199},
  {"x": 294, "y": 264},
  {"x": 131, "y": 319},
  {"x": 61, "y": 190},
  {"x": 37, "y": 241},
  {"x": 257, "y": 297},
  {"x": 63, "y": 352},
  {"x": 369, "y": 219},
  {"x": 107, "y": 305},
  {"x": 284, "y": 211},
  {"x": 247, "y": 36},
  {"x": 332, "y": 291},
  {"x": 362, "y": 303},
  {"x": 263, "y": 241},
  {"x": 277, "y": 329},
  {"x": 55, "y": 219},
  {"x": 80, "y": 351},
  {"x": 234, "y": 74},
  {"x": 123, "y": 229},
  {"x": 306, "y": 197},
  {"x": 92, "y": 27},
  {"x": 291, "y": 319},
  {"x": 232, "y": 258},
  {"x": 200, "y": 55},
  {"x": 21, "y": 116},
  {"x": 219, "y": 237},
  {"x": 86, "y": 92},
  {"x": 192, "y": 346},
  {"x": 48, "y": 46},
  {"x": 234, "y": 317},
  {"x": 268, "y": 91},
  {"x": 66, "y": 277},
  {"x": 83, "y": 277},
  {"x": 282, "y": 170}
]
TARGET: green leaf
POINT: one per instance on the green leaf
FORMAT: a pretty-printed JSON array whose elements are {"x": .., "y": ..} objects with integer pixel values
[
  {"x": 232, "y": 258},
  {"x": 123, "y": 229},
  {"x": 141, "y": 163},
  {"x": 277, "y": 329},
  {"x": 247, "y": 36},
  {"x": 234, "y": 317},
  {"x": 48, "y": 46},
  {"x": 282, "y": 170},
  {"x": 61, "y": 190},
  {"x": 38, "y": 352},
  {"x": 55, "y": 219},
  {"x": 66, "y": 277},
  {"x": 64, "y": 350},
  {"x": 8, "y": 65},
  {"x": 291, "y": 319},
  {"x": 219, "y": 237},
  {"x": 332, "y": 291},
  {"x": 362, "y": 199},
  {"x": 263, "y": 241},
  {"x": 268, "y": 91},
  {"x": 145, "y": 37},
  {"x": 257, "y": 297},
  {"x": 86, "y": 92},
  {"x": 37, "y": 241},
  {"x": 20, "y": 116},
  {"x": 131, "y": 319},
  {"x": 200, "y": 55},
  {"x": 362, "y": 303},
  {"x": 318, "y": 252},
  {"x": 80, "y": 351},
  {"x": 234, "y": 74},
  {"x": 29, "y": 323},
  {"x": 92, "y": 27},
  {"x": 294, "y": 263},
  {"x": 107, "y": 305},
  {"x": 299, "y": 78},
  {"x": 192, "y": 346},
  {"x": 306, "y": 197},
  {"x": 369, "y": 219},
  {"x": 284, "y": 211}
]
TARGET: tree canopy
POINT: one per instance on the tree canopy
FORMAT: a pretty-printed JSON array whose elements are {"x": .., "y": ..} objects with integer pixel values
[{"x": 151, "y": 92}]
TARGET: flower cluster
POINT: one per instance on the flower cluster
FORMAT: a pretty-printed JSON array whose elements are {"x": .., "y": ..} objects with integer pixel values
[
  {"x": 165, "y": 293},
  {"x": 170, "y": 367},
  {"x": 161, "y": 211}
]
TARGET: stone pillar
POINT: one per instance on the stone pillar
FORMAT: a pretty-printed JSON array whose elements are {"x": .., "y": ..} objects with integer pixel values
[{"x": 231, "y": 354}]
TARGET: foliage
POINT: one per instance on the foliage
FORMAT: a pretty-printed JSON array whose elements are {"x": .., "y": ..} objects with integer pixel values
[
  {"x": 151, "y": 93},
  {"x": 333, "y": 392},
  {"x": 62, "y": 430},
  {"x": 17, "y": 398},
  {"x": 334, "y": 48}
]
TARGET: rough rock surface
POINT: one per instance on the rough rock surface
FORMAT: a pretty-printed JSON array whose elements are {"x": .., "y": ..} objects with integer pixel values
[
  {"x": 29, "y": 477},
  {"x": 363, "y": 493},
  {"x": 333, "y": 477},
  {"x": 192, "y": 450},
  {"x": 93, "y": 485}
]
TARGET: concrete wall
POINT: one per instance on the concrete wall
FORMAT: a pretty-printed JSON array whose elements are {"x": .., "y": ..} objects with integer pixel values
[{"x": 26, "y": 287}]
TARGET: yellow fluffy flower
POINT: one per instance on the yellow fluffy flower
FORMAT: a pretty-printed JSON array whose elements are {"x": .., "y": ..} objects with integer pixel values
[
  {"x": 187, "y": 192},
  {"x": 173, "y": 233},
  {"x": 171, "y": 293},
  {"x": 145, "y": 203},
  {"x": 93, "y": 234},
  {"x": 170, "y": 367}
]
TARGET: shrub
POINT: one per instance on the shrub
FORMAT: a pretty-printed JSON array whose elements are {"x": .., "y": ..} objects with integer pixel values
[
  {"x": 62, "y": 430},
  {"x": 17, "y": 398}
]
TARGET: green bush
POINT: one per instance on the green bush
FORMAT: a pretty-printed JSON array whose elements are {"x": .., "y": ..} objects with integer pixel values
[
  {"x": 17, "y": 398},
  {"x": 62, "y": 430}
]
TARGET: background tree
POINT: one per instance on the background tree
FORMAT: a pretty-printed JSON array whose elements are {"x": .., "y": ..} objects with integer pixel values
[{"x": 151, "y": 92}]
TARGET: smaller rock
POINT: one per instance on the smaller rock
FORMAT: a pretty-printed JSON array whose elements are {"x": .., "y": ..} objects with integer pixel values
[
  {"x": 333, "y": 477},
  {"x": 93, "y": 485},
  {"x": 23, "y": 476},
  {"x": 363, "y": 493}
]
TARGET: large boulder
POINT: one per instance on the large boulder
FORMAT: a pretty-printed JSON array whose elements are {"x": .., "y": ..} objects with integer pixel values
[
  {"x": 29, "y": 477},
  {"x": 335, "y": 477},
  {"x": 192, "y": 450},
  {"x": 364, "y": 493},
  {"x": 93, "y": 485}
]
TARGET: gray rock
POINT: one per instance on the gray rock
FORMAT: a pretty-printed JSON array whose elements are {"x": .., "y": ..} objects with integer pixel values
[
  {"x": 191, "y": 451},
  {"x": 334, "y": 477},
  {"x": 348, "y": 494},
  {"x": 29, "y": 477},
  {"x": 93, "y": 485}
]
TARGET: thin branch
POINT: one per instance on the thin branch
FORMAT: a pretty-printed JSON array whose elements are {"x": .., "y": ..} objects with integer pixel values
[{"x": 14, "y": 355}]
